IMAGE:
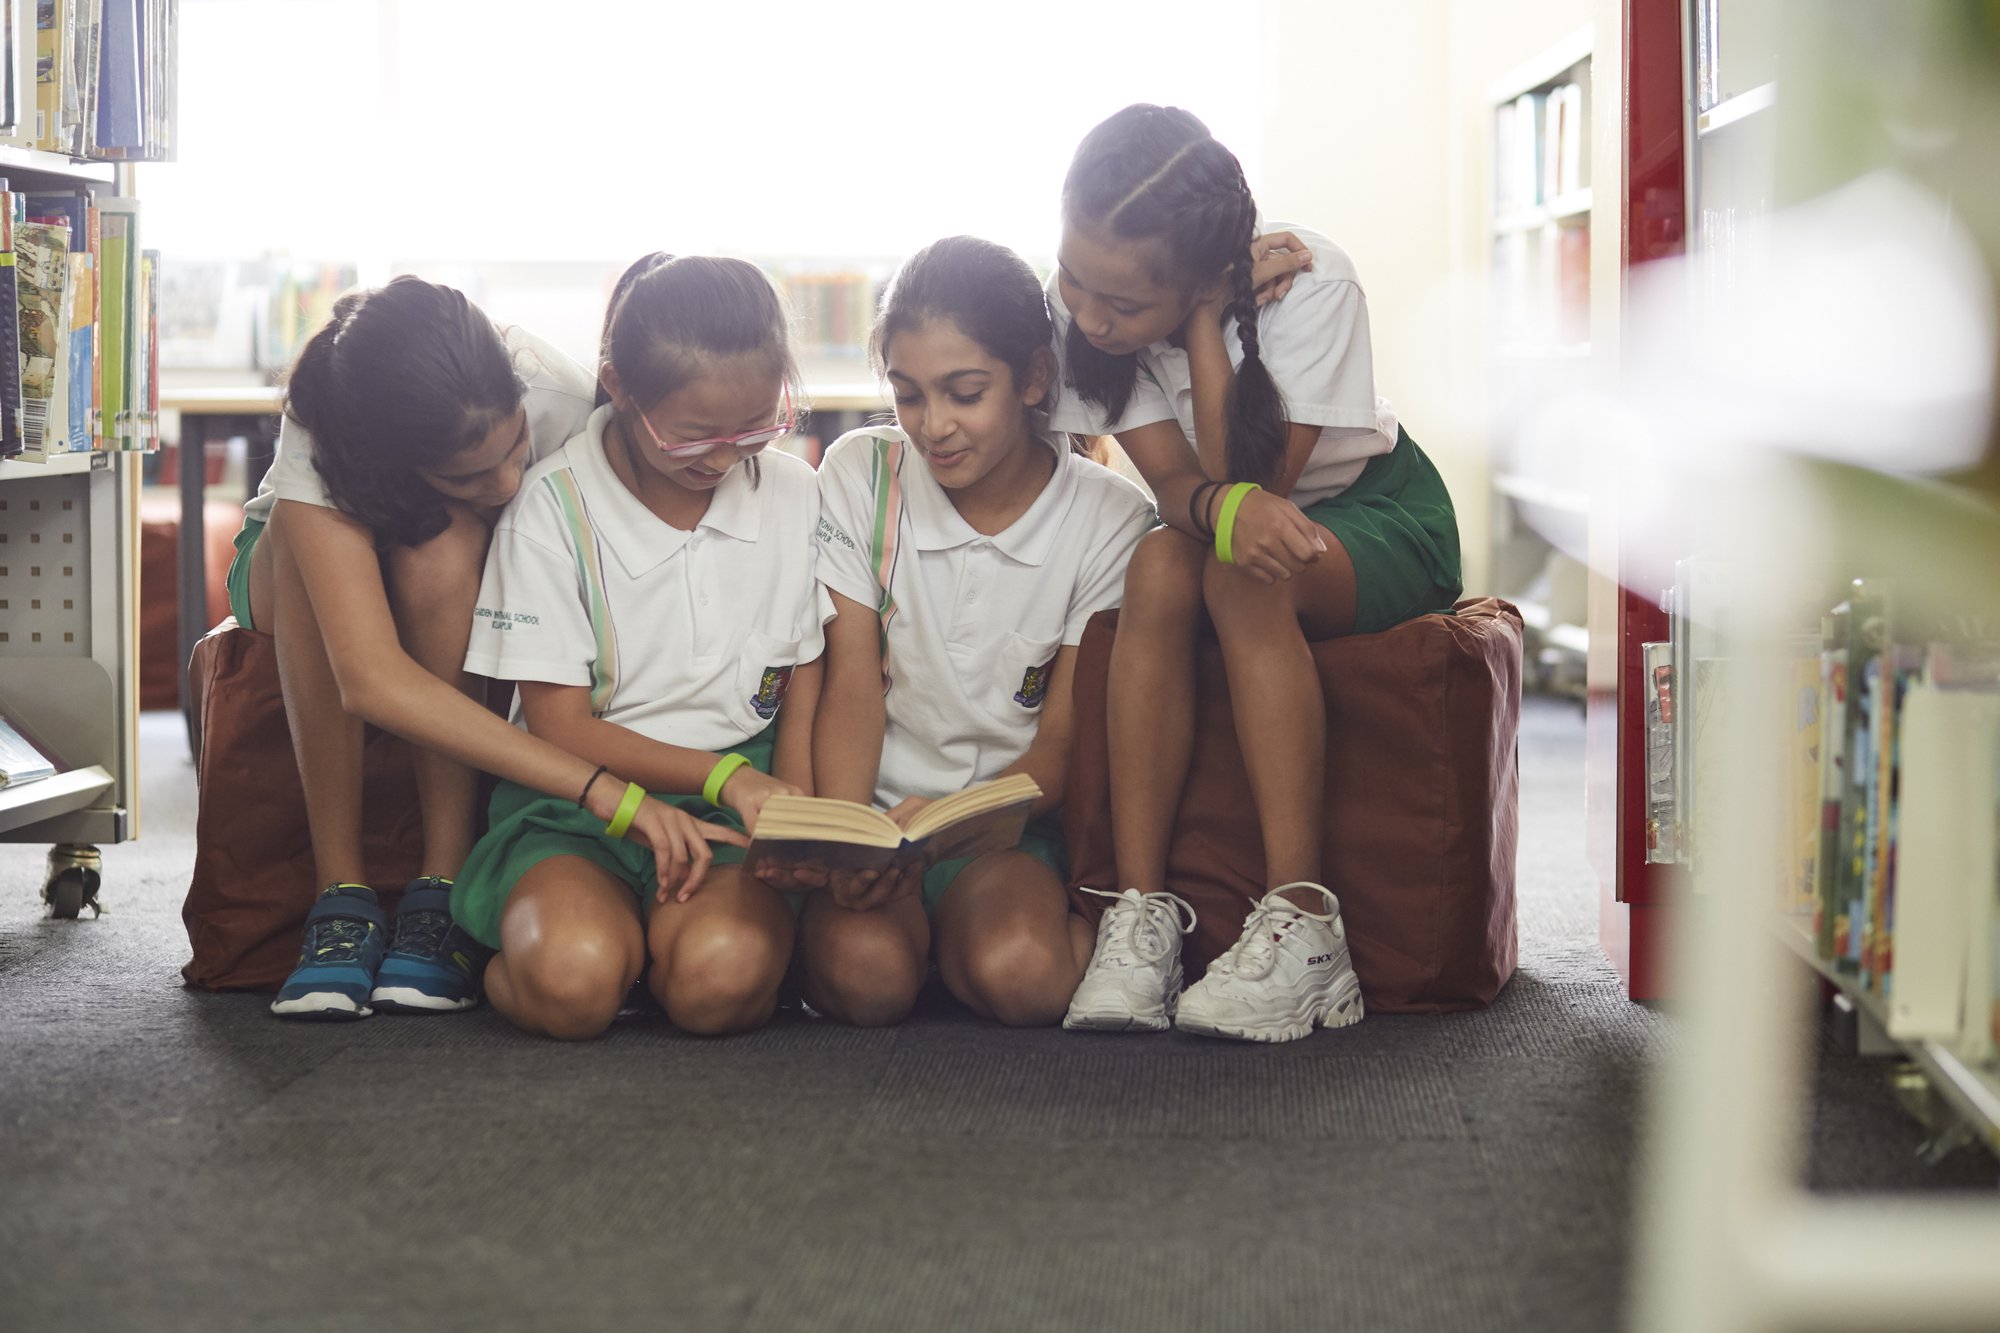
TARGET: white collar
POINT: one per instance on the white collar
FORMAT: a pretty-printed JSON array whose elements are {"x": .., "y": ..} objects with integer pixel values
[
  {"x": 936, "y": 524},
  {"x": 636, "y": 535}
]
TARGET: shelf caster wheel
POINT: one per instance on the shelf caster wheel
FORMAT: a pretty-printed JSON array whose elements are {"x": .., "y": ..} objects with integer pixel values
[{"x": 75, "y": 873}]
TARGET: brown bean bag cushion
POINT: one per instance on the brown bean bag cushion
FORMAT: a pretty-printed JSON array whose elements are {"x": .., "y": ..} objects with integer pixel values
[
  {"x": 254, "y": 878},
  {"x": 1422, "y": 786},
  {"x": 159, "y": 574}
]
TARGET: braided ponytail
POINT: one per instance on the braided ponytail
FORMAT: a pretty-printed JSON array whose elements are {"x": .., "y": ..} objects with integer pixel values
[{"x": 1254, "y": 410}]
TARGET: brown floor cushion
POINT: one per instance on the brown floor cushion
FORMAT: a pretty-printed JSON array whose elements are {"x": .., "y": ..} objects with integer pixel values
[
  {"x": 1421, "y": 804},
  {"x": 254, "y": 878}
]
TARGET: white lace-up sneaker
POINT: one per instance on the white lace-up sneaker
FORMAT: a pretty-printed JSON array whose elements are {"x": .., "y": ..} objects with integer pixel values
[
  {"x": 1289, "y": 971},
  {"x": 1134, "y": 977}
]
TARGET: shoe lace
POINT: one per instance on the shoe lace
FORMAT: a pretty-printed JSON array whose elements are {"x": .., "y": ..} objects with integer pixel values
[
  {"x": 1255, "y": 952},
  {"x": 338, "y": 939},
  {"x": 422, "y": 932},
  {"x": 1150, "y": 922}
]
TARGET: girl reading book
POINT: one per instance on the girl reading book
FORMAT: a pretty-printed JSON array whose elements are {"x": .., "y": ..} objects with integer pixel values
[
  {"x": 651, "y": 592},
  {"x": 964, "y": 548},
  {"x": 409, "y": 420},
  {"x": 1298, "y": 509}
]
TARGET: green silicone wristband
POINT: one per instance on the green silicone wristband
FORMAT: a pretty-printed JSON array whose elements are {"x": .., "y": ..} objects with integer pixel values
[
  {"x": 1225, "y": 520},
  {"x": 622, "y": 819},
  {"x": 711, "y": 790}
]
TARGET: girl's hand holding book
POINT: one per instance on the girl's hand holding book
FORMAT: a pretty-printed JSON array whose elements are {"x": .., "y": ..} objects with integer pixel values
[
  {"x": 747, "y": 790},
  {"x": 866, "y": 890}
]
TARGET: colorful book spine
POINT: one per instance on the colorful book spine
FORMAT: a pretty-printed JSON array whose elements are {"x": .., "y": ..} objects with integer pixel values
[
  {"x": 1833, "y": 775},
  {"x": 11, "y": 441},
  {"x": 82, "y": 327},
  {"x": 42, "y": 271}
]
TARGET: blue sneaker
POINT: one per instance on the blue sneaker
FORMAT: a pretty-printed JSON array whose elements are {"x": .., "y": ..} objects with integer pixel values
[
  {"x": 433, "y": 966},
  {"x": 343, "y": 947}
]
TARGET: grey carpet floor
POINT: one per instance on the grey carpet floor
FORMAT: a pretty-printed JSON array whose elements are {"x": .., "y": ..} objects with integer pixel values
[{"x": 177, "y": 1160}]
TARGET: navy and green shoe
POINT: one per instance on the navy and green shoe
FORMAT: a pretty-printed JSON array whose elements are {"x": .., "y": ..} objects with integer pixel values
[
  {"x": 345, "y": 938},
  {"x": 433, "y": 966}
]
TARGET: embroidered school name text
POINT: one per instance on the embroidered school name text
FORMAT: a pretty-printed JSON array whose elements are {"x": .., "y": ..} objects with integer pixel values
[{"x": 505, "y": 619}]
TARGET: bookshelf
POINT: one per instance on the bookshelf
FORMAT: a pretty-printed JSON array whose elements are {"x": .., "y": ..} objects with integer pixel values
[
  {"x": 1880, "y": 887},
  {"x": 69, "y": 549},
  {"x": 1539, "y": 249},
  {"x": 68, "y": 621}
]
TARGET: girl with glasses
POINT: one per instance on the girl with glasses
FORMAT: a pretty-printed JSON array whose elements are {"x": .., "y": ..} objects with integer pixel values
[
  {"x": 1297, "y": 509},
  {"x": 964, "y": 548},
  {"x": 651, "y": 592},
  {"x": 409, "y": 421}
]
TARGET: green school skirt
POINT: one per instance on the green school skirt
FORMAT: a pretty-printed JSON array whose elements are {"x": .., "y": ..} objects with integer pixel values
[
  {"x": 525, "y": 828},
  {"x": 1401, "y": 532},
  {"x": 238, "y": 578}
]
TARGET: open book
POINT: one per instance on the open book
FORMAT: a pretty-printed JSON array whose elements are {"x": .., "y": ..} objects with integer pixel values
[{"x": 846, "y": 835}]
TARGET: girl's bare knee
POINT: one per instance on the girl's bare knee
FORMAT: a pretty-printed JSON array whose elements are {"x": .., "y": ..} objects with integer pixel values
[
  {"x": 570, "y": 990},
  {"x": 1164, "y": 571},
  {"x": 442, "y": 574},
  {"x": 870, "y": 979},
  {"x": 722, "y": 976},
  {"x": 1022, "y": 980}
]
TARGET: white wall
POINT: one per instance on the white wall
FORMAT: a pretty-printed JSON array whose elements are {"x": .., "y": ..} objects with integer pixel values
[{"x": 1376, "y": 132}]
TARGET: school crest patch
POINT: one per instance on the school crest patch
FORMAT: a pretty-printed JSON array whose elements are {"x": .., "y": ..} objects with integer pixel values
[
  {"x": 771, "y": 691},
  {"x": 1035, "y": 685}
]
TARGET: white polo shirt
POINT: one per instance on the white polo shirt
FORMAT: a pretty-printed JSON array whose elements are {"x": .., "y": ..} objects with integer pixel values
[
  {"x": 559, "y": 397},
  {"x": 978, "y": 619},
  {"x": 1315, "y": 343},
  {"x": 684, "y": 637}
]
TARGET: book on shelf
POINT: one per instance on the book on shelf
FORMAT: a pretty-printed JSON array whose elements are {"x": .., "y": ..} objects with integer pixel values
[
  {"x": 825, "y": 833},
  {"x": 21, "y": 760},
  {"x": 104, "y": 81},
  {"x": 72, "y": 211},
  {"x": 11, "y": 441},
  {"x": 99, "y": 394},
  {"x": 42, "y": 271},
  {"x": 17, "y": 71},
  {"x": 1833, "y": 773},
  {"x": 1538, "y": 148},
  {"x": 1662, "y": 805},
  {"x": 1799, "y": 891},
  {"x": 1867, "y": 625}
]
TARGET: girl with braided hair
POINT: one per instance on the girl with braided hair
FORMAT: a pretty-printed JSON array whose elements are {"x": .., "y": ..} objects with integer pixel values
[{"x": 1295, "y": 508}]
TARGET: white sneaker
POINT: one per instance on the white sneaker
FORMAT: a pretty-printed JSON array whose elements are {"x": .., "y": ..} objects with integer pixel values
[
  {"x": 1134, "y": 977},
  {"x": 1288, "y": 972}
]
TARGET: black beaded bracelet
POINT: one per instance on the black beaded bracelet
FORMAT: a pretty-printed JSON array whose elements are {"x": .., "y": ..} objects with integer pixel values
[
  {"x": 584, "y": 795},
  {"x": 1196, "y": 505}
]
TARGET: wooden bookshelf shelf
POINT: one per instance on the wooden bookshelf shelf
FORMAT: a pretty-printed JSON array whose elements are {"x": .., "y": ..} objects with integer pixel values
[{"x": 1740, "y": 107}]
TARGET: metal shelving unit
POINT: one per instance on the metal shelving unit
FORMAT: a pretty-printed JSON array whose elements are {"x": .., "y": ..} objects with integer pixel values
[{"x": 69, "y": 597}]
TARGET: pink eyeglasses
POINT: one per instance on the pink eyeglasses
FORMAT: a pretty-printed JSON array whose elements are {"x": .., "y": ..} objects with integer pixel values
[{"x": 745, "y": 443}]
